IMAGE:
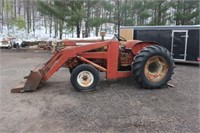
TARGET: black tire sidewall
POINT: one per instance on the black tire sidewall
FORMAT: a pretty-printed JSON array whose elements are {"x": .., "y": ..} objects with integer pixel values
[
  {"x": 167, "y": 56},
  {"x": 158, "y": 84},
  {"x": 80, "y": 68}
]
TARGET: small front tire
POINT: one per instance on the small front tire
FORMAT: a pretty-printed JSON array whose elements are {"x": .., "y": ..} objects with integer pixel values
[{"x": 84, "y": 78}]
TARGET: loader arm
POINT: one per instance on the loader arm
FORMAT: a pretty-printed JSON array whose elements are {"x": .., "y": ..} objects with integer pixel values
[
  {"x": 43, "y": 72},
  {"x": 54, "y": 64}
]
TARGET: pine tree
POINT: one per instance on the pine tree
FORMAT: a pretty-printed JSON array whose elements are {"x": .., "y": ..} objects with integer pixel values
[
  {"x": 70, "y": 12},
  {"x": 186, "y": 12}
]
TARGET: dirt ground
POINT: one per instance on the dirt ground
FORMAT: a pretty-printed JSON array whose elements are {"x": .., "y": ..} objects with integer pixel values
[{"x": 116, "y": 106}]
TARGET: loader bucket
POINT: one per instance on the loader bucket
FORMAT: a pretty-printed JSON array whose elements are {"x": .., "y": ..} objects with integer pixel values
[{"x": 32, "y": 82}]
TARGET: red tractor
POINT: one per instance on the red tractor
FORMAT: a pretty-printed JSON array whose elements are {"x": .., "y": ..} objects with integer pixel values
[{"x": 150, "y": 64}]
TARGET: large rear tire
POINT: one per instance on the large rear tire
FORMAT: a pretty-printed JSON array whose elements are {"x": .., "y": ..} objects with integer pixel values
[
  {"x": 153, "y": 67},
  {"x": 84, "y": 78}
]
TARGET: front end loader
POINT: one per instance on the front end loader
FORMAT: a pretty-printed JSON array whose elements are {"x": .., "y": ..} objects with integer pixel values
[{"x": 150, "y": 64}]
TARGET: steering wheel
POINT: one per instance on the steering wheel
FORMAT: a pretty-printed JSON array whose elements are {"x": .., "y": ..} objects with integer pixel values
[{"x": 120, "y": 38}]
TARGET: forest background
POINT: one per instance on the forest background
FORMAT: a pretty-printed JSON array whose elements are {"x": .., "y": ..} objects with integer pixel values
[{"x": 75, "y": 17}]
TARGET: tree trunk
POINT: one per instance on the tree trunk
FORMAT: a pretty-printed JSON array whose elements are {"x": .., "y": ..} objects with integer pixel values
[
  {"x": 45, "y": 24},
  {"x": 7, "y": 18},
  {"x": 78, "y": 30},
  {"x": 97, "y": 31},
  {"x": 159, "y": 13},
  {"x": 19, "y": 8},
  {"x": 178, "y": 13},
  {"x": 183, "y": 12},
  {"x": 55, "y": 27},
  {"x": 15, "y": 9},
  {"x": 33, "y": 16},
  {"x": 50, "y": 26},
  {"x": 60, "y": 29},
  {"x": 125, "y": 16},
  {"x": 11, "y": 16},
  {"x": 87, "y": 28},
  {"x": 28, "y": 15},
  {"x": 2, "y": 12}
]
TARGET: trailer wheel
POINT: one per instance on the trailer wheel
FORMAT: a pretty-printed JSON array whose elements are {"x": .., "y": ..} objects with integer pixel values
[
  {"x": 84, "y": 78},
  {"x": 153, "y": 67}
]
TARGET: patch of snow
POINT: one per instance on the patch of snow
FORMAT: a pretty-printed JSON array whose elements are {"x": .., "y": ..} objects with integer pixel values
[{"x": 42, "y": 34}]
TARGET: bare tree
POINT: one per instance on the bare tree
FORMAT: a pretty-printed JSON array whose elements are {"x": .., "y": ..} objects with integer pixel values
[
  {"x": 2, "y": 14},
  {"x": 33, "y": 16}
]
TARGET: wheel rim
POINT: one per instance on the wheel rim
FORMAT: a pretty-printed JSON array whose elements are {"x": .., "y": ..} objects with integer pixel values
[
  {"x": 156, "y": 69},
  {"x": 85, "y": 78}
]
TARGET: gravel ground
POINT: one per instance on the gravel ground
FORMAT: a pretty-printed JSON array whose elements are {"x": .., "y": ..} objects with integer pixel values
[{"x": 116, "y": 106}]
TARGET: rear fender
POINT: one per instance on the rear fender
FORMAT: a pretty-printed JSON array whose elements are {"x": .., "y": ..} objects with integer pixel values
[{"x": 140, "y": 45}]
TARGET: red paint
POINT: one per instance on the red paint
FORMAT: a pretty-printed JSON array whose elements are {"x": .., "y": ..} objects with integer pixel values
[
  {"x": 111, "y": 55},
  {"x": 139, "y": 46}
]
